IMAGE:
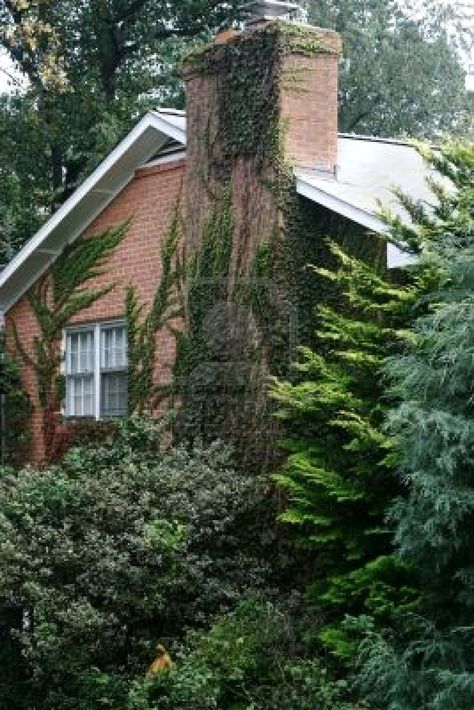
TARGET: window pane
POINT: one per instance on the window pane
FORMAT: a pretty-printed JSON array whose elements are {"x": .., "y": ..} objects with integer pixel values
[
  {"x": 69, "y": 397},
  {"x": 80, "y": 352},
  {"x": 86, "y": 351},
  {"x": 114, "y": 348},
  {"x": 72, "y": 346},
  {"x": 80, "y": 396},
  {"x": 114, "y": 394}
]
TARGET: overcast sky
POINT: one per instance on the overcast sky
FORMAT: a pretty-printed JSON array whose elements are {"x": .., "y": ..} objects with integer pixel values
[
  {"x": 7, "y": 70},
  {"x": 5, "y": 66}
]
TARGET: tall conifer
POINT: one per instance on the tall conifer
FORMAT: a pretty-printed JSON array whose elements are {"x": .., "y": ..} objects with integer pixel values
[
  {"x": 339, "y": 477},
  {"x": 431, "y": 664}
]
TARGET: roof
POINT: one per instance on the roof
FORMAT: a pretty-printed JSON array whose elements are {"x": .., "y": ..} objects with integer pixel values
[
  {"x": 367, "y": 173},
  {"x": 368, "y": 169}
]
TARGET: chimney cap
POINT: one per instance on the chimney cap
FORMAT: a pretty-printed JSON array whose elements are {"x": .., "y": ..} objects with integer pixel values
[{"x": 268, "y": 9}]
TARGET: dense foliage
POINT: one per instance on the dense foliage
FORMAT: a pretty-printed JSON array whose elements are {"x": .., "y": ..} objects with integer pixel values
[
  {"x": 120, "y": 547},
  {"x": 430, "y": 664},
  {"x": 252, "y": 658},
  {"x": 339, "y": 477},
  {"x": 15, "y": 412}
]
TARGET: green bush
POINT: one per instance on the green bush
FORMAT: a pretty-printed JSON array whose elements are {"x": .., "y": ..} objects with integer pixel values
[
  {"x": 119, "y": 547},
  {"x": 251, "y": 659}
]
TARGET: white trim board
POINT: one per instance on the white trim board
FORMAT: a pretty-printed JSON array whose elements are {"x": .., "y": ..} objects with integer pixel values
[{"x": 335, "y": 204}]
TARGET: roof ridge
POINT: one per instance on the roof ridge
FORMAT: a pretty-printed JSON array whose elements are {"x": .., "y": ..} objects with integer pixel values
[
  {"x": 376, "y": 139},
  {"x": 170, "y": 111}
]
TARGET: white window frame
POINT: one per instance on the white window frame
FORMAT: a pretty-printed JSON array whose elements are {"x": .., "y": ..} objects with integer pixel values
[{"x": 97, "y": 328}]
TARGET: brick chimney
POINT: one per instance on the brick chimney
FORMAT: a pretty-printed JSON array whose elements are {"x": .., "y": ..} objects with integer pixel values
[
  {"x": 275, "y": 81},
  {"x": 309, "y": 105},
  {"x": 259, "y": 102},
  {"x": 308, "y": 83}
]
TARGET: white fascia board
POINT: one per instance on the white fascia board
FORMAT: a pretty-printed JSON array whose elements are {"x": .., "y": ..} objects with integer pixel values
[
  {"x": 335, "y": 204},
  {"x": 151, "y": 124},
  {"x": 167, "y": 127},
  {"x": 396, "y": 257}
]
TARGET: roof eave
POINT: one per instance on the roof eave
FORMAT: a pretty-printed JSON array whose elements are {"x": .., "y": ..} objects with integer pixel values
[
  {"x": 396, "y": 257},
  {"x": 335, "y": 204}
]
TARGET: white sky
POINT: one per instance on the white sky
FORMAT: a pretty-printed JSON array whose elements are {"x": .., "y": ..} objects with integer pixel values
[
  {"x": 5, "y": 66},
  {"x": 10, "y": 79}
]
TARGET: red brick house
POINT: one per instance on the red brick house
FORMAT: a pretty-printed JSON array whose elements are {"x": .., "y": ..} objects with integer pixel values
[{"x": 157, "y": 165}]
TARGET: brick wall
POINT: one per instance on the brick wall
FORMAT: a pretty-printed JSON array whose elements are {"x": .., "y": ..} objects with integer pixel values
[
  {"x": 149, "y": 198},
  {"x": 309, "y": 107}
]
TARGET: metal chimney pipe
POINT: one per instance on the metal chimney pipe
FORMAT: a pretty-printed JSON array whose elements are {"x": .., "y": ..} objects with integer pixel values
[{"x": 260, "y": 10}]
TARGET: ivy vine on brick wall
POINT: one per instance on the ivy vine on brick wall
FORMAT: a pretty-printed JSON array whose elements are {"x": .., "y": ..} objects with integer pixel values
[
  {"x": 58, "y": 296},
  {"x": 143, "y": 391},
  {"x": 250, "y": 295}
]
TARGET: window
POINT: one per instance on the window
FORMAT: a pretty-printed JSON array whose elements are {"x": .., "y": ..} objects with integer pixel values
[
  {"x": 80, "y": 373},
  {"x": 96, "y": 371},
  {"x": 113, "y": 371}
]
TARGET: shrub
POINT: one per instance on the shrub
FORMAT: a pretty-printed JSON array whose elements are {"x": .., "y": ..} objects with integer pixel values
[
  {"x": 16, "y": 412},
  {"x": 120, "y": 546},
  {"x": 251, "y": 659}
]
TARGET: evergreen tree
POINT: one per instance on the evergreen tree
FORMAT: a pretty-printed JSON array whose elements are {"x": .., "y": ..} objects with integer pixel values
[
  {"x": 339, "y": 478},
  {"x": 432, "y": 664}
]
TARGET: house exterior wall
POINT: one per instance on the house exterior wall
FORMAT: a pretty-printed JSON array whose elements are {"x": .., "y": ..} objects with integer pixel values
[{"x": 149, "y": 199}]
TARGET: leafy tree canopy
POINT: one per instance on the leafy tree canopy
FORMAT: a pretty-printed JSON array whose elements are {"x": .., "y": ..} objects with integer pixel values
[
  {"x": 401, "y": 74},
  {"x": 94, "y": 66}
]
